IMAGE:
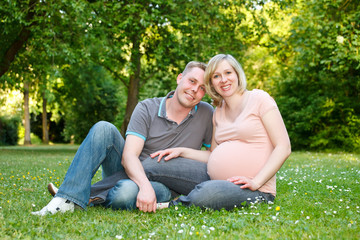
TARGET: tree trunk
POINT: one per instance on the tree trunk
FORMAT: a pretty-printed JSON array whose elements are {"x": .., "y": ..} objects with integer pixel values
[
  {"x": 27, "y": 139},
  {"x": 133, "y": 90},
  {"x": 45, "y": 130}
]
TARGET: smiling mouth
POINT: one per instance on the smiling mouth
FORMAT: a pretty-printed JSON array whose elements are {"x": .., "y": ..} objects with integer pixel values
[
  {"x": 191, "y": 96},
  {"x": 227, "y": 87}
]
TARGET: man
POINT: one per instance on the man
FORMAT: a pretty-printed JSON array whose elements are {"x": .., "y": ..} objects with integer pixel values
[{"x": 178, "y": 120}]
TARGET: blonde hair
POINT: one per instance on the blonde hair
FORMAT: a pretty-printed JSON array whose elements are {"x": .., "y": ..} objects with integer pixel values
[{"x": 212, "y": 65}]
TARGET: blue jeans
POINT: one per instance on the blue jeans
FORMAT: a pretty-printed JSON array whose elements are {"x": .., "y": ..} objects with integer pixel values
[
  {"x": 218, "y": 194},
  {"x": 116, "y": 198},
  {"x": 181, "y": 175},
  {"x": 103, "y": 146}
]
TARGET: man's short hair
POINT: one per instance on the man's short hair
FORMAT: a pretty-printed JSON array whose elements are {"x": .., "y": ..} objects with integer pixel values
[{"x": 194, "y": 64}]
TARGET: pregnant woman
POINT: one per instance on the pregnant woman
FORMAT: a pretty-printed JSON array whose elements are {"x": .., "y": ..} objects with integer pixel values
[{"x": 250, "y": 142}]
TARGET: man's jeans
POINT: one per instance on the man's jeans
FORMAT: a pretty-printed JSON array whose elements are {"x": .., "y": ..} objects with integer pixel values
[
  {"x": 124, "y": 195},
  {"x": 218, "y": 194},
  {"x": 103, "y": 146}
]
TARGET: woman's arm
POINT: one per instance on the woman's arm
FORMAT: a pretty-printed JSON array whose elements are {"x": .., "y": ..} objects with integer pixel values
[
  {"x": 198, "y": 155},
  {"x": 279, "y": 137}
]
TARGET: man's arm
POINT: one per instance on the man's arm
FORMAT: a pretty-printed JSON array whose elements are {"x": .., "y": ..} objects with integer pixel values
[{"x": 146, "y": 199}]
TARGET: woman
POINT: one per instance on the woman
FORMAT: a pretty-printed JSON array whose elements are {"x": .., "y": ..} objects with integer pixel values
[{"x": 249, "y": 145}]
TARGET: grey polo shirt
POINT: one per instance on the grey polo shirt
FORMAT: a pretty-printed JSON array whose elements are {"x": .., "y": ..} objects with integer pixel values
[{"x": 149, "y": 122}]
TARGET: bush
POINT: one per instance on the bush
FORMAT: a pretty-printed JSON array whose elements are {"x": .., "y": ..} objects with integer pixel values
[
  {"x": 318, "y": 91},
  {"x": 95, "y": 97},
  {"x": 9, "y": 130}
]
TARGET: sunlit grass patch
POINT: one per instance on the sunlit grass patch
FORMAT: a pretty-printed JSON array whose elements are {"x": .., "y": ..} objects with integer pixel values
[{"x": 318, "y": 197}]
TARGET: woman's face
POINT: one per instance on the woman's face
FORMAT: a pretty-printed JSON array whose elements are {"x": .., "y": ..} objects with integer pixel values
[{"x": 225, "y": 80}]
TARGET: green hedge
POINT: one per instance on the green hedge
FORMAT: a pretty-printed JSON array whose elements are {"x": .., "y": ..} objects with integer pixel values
[{"x": 9, "y": 130}]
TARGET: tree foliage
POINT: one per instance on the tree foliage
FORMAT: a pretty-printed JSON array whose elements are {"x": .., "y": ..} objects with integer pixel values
[
  {"x": 93, "y": 60},
  {"x": 95, "y": 98},
  {"x": 319, "y": 93},
  {"x": 9, "y": 130}
]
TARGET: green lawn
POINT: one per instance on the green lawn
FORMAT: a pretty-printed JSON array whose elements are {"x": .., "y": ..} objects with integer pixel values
[{"x": 318, "y": 198}]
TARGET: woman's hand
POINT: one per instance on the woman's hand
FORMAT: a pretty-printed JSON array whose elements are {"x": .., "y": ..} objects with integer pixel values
[
  {"x": 246, "y": 181},
  {"x": 170, "y": 152}
]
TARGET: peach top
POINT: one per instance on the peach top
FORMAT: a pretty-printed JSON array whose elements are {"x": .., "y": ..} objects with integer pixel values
[{"x": 243, "y": 144}]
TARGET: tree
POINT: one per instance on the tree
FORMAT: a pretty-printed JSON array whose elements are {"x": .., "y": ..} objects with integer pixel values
[
  {"x": 94, "y": 97},
  {"x": 145, "y": 41},
  {"x": 320, "y": 91},
  {"x": 134, "y": 38},
  {"x": 48, "y": 37},
  {"x": 16, "y": 21}
]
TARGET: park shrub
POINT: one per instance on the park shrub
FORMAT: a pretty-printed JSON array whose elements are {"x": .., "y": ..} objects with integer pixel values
[
  {"x": 9, "y": 130},
  {"x": 318, "y": 95},
  {"x": 94, "y": 98}
]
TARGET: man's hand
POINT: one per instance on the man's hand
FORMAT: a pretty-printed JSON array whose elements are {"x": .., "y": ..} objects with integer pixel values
[
  {"x": 247, "y": 182},
  {"x": 146, "y": 200}
]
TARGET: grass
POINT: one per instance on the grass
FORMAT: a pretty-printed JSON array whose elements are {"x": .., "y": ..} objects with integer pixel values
[{"x": 317, "y": 198}]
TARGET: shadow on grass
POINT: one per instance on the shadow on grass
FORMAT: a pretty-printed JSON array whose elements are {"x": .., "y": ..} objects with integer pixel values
[{"x": 57, "y": 148}]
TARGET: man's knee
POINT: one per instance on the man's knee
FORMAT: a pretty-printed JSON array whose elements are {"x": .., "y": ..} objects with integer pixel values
[
  {"x": 163, "y": 193},
  {"x": 103, "y": 125},
  {"x": 123, "y": 195}
]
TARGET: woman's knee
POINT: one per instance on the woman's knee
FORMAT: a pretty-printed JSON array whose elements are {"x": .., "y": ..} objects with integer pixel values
[
  {"x": 203, "y": 192},
  {"x": 210, "y": 194}
]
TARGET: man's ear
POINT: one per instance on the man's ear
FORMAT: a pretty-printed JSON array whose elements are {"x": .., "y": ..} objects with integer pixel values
[{"x": 179, "y": 77}]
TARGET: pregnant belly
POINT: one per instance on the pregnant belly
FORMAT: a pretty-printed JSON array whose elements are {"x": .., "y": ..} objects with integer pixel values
[{"x": 235, "y": 158}]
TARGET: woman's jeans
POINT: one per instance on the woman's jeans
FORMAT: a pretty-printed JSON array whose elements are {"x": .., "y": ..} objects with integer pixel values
[
  {"x": 103, "y": 146},
  {"x": 218, "y": 194}
]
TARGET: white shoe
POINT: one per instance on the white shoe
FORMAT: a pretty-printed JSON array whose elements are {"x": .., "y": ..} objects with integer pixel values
[
  {"x": 162, "y": 205},
  {"x": 52, "y": 189},
  {"x": 57, "y": 204}
]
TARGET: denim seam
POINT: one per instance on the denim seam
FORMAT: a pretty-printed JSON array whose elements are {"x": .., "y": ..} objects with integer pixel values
[{"x": 111, "y": 148}]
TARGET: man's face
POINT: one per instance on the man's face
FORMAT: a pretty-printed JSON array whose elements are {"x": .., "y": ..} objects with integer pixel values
[{"x": 190, "y": 89}]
